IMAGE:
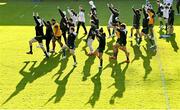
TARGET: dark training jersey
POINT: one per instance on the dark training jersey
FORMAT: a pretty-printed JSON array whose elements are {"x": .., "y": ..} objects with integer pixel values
[
  {"x": 63, "y": 22},
  {"x": 49, "y": 31},
  {"x": 136, "y": 18},
  {"x": 171, "y": 17},
  {"x": 38, "y": 27},
  {"x": 102, "y": 40},
  {"x": 122, "y": 35},
  {"x": 71, "y": 40},
  {"x": 115, "y": 15}
]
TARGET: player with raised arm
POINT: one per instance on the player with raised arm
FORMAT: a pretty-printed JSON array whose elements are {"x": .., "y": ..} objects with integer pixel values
[{"x": 39, "y": 35}]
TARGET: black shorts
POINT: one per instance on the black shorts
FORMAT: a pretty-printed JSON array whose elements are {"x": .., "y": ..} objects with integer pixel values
[
  {"x": 136, "y": 26},
  {"x": 100, "y": 50},
  {"x": 145, "y": 30},
  {"x": 39, "y": 39},
  {"x": 121, "y": 42}
]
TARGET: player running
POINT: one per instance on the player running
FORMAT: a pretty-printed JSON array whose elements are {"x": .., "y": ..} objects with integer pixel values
[
  {"x": 57, "y": 37},
  {"x": 49, "y": 34},
  {"x": 81, "y": 20},
  {"x": 39, "y": 35},
  {"x": 101, "y": 37},
  {"x": 121, "y": 42},
  {"x": 160, "y": 14},
  {"x": 73, "y": 15},
  {"x": 114, "y": 19},
  {"x": 145, "y": 25},
  {"x": 136, "y": 22},
  {"x": 71, "y": 44},
  {"x": 63, "y": 23}
]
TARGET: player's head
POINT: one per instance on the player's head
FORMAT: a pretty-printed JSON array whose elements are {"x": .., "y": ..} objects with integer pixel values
[
  {"x": 123, "y": 26},
  {"x": 48, "y": 23},
  {"x": 91, "y": 3},
  {"x": 53, "y": 21},
  {"x": 101, "y": 30}
]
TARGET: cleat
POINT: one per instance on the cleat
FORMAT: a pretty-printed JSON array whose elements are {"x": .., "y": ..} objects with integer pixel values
[{"x": 30, "y": 52}]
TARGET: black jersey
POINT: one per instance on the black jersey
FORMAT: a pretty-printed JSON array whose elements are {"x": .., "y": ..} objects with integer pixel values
[
  {"x": 49, "y": 30},
  {"x": 122, "y": 35},
  {"x": 38, "y": 27},
  {"x": 102, "y": 40},
  {"x": 160, "y": 10},
  {"x": 136, "y": 18},
  {"x": 115, "y": 15},
  {"x": 95, "y": 21},
  {"x": 63, "y": 22},
  {"x": 171, "y": 17},
  {"x": 71, "y": 39},
  {"x": 93, "y": 11},
  {"x": 92, "y": 32}
]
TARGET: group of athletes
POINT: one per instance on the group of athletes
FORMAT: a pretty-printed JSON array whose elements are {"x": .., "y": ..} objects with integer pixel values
[{"x": 66, "y": 29}]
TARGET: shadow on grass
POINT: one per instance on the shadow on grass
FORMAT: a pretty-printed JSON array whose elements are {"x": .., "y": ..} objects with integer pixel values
[
  {"x": 110, "y": 46},
  {"x": 119, "y": 77},
  {"x": 173, "y": 42},
  {"x": 146, "y": 58},
  {"x": 87, "y": 67},
  {"x": 97, "y": 89},
  {"x": 61, "y": 90},
  {"x": 34, "y": 73}
]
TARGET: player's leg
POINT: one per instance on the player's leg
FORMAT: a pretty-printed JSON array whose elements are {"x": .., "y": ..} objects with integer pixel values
[
  {"x": 78, "y": 26},
  {"x": 30, "y": 45},
  {"x": 152, "y": 40},
  {"x": 63, "y": 47},
  {"x": 100, "y": 54},
  {"x": 64, "y": 36},
  {"x": 84, "y": 27},
  {"x": 115, "y": 51},
  {"x": 132, "y": 32},
  {"x": 109, "y": 30},
  {"x": 72, "y": 52},
  {"x": 43, "y": 49},
  {"x": 89, "y": 43},
  {"x": 53, "y": 44},
  {"x": 123, "y": 48},
  {"x": 47, "y": 44}
]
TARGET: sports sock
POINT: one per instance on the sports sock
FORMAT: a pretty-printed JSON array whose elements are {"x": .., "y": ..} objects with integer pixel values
[
  {"x": 74, "y": 57},
  {"x": 101, "y": 62}
]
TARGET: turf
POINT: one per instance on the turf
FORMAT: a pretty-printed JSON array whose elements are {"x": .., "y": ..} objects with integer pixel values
[{"x": 150, "y": 81}]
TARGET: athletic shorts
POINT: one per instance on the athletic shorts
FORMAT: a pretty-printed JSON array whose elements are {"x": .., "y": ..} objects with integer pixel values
[
  {"x": 145, "y": 30},
  {"x": 151, "y": 26},
  {"x": 56, "y": 38},
  {"x": 136, "y": 26},
  {"x": 121, "y": 42},
  {"x": 39, "y": 39},
  {"x": 100, "y": 50}
]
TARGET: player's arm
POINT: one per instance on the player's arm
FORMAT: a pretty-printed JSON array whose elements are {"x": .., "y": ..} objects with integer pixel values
[
  {"x": 60, "y": 12},
  {"x": 35, "y": 19},
  {"x": 134, "y": 10},
  {"x": 44, "y": 22},
  {"x": 111, "y": 9}
]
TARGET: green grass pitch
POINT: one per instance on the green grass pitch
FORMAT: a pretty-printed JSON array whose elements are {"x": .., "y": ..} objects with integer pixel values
[{"x": 150, "y": 81}]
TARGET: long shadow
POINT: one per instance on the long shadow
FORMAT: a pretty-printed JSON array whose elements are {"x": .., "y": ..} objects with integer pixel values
[
  {"x": 87, "y": 67},
  {"x": 147, "y": 62},
  {"x": 34, "y": 73},
  {"x": 173, "y": 42},
  {"x": 137, "y": 52},
  {"x": 97, "y": 89},
  {"x": 61, "y": 90},
  {"x": 146, "y": 59},
  {"x": 110, "y": 46},
  {"x": 78, "y": 41},
  {"x": 119, "y": 77}
]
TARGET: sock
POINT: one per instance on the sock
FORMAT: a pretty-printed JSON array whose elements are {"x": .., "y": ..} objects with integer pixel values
[
  {"x": 31, "y": 48},
  {"x": 74, "y": 57},
  {"x": 140, "y": 40},
  {"x": 64, "y": 52},
  {"x": 127, "y": 57},
  {"x": 101, "y": 62},
  {"x": 46, "y": 54}
]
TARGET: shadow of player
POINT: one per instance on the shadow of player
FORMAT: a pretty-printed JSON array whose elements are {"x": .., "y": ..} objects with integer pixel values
[
  {"x": 61, "y": 89},
  {"x": 173, "y": 42},
  {"x": 97, "y": 89},
  {"x": 34, "y": 73}
]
